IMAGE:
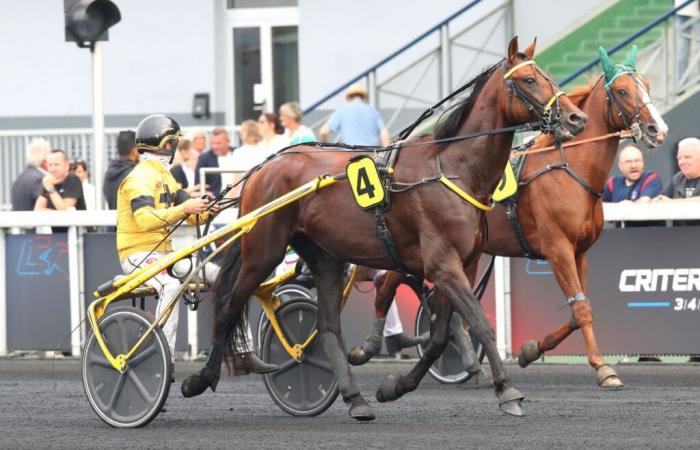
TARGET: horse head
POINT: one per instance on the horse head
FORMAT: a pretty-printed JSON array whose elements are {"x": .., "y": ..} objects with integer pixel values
[
  {"x": 628, "y": 98},
  {"x": 541, "y": 98}
]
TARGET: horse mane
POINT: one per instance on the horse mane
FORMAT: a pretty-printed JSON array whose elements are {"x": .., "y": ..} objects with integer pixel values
[
  {"x": 579, "y": 95},
  {"x": 461, "y": 110}
]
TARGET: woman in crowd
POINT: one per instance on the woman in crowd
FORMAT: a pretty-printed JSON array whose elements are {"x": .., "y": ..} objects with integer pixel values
[
  {"x": 183, "y": 171},
  {"x": 270, "y": 131},
  {"x": 290, "y": 116},
  {"x": 79, "y": 168}
]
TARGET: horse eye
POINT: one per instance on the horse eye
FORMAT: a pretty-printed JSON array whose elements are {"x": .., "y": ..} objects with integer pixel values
[
  {"x": 622, "y": 92},
  {"x": 529, "y": 80}
]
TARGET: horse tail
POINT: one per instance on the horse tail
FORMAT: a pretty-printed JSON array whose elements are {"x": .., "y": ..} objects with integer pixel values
[{"x": 223, "y": 290}]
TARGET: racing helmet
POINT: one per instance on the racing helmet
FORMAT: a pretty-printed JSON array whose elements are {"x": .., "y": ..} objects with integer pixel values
[{"x": 155, "y": 132}]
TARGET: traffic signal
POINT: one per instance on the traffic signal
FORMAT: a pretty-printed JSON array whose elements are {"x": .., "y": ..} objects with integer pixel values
[{"x": 87, "y": 21}]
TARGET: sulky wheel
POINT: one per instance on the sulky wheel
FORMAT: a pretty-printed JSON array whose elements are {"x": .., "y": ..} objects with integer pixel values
[
  {"x": 284, "y": 293},
  {"x": 301, "y": 389},
  {"x": 448, "y": 368},
  {"x": 135, "y": 397}
]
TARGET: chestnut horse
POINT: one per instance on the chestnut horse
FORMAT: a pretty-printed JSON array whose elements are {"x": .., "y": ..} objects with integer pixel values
[
  {"x": 562, "y": 217},
  {"x": 436, "y": 232}
]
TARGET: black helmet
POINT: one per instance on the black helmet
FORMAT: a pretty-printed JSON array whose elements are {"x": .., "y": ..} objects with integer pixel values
[{"x": 154, "y": 132}]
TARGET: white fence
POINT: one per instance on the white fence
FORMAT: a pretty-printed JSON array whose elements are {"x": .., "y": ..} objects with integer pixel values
[{"x": 77, "y": 221}]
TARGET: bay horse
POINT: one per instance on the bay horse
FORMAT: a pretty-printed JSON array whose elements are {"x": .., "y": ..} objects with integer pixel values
[
  {"x": 436, "y": 232},
  {"x": 560, "y": 214}
]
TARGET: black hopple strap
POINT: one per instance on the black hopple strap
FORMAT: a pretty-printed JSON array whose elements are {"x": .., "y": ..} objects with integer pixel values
[
  {"x": 389, "y": 244},
  {"x": 511, "y": 205}
]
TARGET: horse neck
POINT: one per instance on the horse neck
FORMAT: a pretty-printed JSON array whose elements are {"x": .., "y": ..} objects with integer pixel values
[
  {"x": 594, "y": 160},
  {"x": 479, "y": 162}
]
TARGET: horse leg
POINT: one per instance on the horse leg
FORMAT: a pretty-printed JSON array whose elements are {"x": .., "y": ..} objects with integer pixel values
[
  {"x": 571, "y": 273},
  {"x": 448, "y": 276},
  {"x": 328, "y": 277},
  {"x": 245, "y": 272},
  {"x": 385, "y": 285},
  {"x": 394, "y": 386},
  {"x": 606, "y": 375}
]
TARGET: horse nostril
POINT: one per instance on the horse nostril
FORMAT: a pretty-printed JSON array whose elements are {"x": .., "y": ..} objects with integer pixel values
[
  {"x": 577, "y": 119},
  {"x": 653, "y": 130}
]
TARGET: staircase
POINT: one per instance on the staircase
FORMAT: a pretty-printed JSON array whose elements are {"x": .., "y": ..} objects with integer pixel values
[{"x": 606, "y": 29}]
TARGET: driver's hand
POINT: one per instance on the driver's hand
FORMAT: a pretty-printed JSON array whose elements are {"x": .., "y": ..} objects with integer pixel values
[{"x": 195, "y": 205}]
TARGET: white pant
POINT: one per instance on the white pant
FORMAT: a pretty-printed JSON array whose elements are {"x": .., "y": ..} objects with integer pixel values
[
  {"x": 392, "y": 324},
  {"x": 167, "y": 287}
]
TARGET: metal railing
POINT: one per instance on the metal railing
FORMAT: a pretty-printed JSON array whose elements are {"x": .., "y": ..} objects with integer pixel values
[
  {"x": 77, "y": 142},
  {"x": 434, "y": 70},
  {"x": 671, "y": 63}
]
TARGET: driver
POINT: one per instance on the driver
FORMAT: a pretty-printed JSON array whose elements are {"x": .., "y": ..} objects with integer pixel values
[{"x": 149, "y": 203}]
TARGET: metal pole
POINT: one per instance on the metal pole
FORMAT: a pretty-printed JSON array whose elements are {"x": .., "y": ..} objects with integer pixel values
[
  {"x": 74, "y": 288},
  {"x": 503, "y": 332},
  {"x": 98, "y": 121},
  {"x": 446, "y": 60},
  {"x": 372, "y": 88},
  {"x": 3, "y": 296}
]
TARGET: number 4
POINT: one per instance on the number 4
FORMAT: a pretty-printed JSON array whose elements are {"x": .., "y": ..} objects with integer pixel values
[{"x": 363, "y": 184}]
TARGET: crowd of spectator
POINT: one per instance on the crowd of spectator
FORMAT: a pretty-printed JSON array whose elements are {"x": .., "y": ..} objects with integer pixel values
[
  {"x": 51, "y": 180},
  {"x": 637, "y": 185}
]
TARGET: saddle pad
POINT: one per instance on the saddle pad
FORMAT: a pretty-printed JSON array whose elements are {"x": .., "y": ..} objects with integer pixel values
[{"x": 508, "y": 185}]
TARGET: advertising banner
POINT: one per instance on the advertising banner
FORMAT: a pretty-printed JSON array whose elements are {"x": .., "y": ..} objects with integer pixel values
[{"x": 644, "y": 290}]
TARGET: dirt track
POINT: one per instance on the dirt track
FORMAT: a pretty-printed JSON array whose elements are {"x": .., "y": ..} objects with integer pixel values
[{"x": 658, "y": 408}]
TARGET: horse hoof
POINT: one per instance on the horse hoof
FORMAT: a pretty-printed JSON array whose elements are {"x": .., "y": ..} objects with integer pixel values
[
  {"x": 607, "y": 377},
  {"x": 387, "y": 391},
  {"x": 196, "y": 384},
  {"x": 357, "y": 356},
  {"x": 512, "y": 408},
  {"x": 529, "y": 352},
  {"x": 509, "y": 402},
  {"x": 360, "y": 409}
]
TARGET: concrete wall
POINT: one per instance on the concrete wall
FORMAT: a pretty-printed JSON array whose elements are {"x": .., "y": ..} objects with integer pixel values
[{"x": 157, "y": 57}]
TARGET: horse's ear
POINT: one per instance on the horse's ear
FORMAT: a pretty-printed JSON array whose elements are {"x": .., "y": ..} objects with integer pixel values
[
  {"x": 606, "y": 64},
  {"x": 632, "y": 57},
  {"x": 513, "y": 50},
  {"x": 530, "y": 51}
]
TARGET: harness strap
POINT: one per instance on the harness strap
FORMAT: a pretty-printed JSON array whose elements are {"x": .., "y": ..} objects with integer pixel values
[
  {"x": 511, "y": 205},
  {"x": 551, "y": 101},
  {"x": 516, "y": 67},
  {"x": 457, "y": 190},
  {"x": 388, "y": 241}
]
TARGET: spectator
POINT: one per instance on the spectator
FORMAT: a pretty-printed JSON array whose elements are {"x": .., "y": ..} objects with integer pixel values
[
  {"x": 79, "y": 168},
  {"x": 118, "y": 169},
  {"x": 684, "y": 187},
  {"x": 184, "y": 171},
  {"x": 356, "y": 122},
  {"x": 251, "y": 153},
  {"x": 199, "y": 143},
  {"x": 62, "y": 190},
  {"x": 27, "y": 187},
  {"x": 290, "y": 116},
  {"x": 219, "y": 155},
  {"x": 271, "y": 133},
  {"x": 634, "y": 185}
]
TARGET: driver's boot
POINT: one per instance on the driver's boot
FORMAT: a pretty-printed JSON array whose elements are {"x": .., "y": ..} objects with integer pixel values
[{"x": 250, "y": 362}]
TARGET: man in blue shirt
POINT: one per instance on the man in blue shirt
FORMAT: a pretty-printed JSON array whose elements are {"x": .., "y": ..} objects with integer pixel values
[
  {"x": 634, "y": 185},
  {"x": 356, "y": 122}
]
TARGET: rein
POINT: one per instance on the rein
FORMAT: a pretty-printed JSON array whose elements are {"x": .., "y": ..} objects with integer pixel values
[{"x": 621, "y": 134}]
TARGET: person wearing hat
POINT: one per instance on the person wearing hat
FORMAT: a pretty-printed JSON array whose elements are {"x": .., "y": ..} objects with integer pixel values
[{"x": 356, "y": 122}]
